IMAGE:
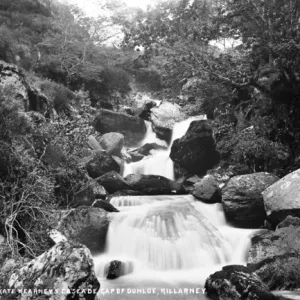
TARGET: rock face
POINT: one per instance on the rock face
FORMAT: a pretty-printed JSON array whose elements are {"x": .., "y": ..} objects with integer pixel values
[
  {"x": 133, "y": 128},
  {"x": 67, "y": 265},
  {"x": 105, "y": 205},
  {"x": 113, "y": 143},
  {"x": 113, "y": 182},
  {"x": 100, "y": 163},
  {"x": 283, "y": 198},
  {"x": 243, "y": 201},
  {"x": 153, "y": 185},
  {"x": 13, "y": 79},
  {"x": 274, "y": 256},
  {"x": 196, "y": 151},
  {"x": 86, "y": 225},
  {"x": 163, "y": 119},
  {"x": 236, "y": 283},
  {"x": 117, "y": 268},
  {"x": 207, "y": 190}
]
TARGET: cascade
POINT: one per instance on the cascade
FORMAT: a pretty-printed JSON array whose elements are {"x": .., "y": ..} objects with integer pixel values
[{"x": 167, "y": 241}]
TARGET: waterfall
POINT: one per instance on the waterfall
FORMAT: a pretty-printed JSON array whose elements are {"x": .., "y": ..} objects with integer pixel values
[
  {"x": 159, "y": 162},
  {"x": 167, "y": 241}
]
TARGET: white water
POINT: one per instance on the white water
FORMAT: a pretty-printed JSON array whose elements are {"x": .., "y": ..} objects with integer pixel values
[
  {"x": 171, "y": 241},
  {"x": 159, "y": 162}
]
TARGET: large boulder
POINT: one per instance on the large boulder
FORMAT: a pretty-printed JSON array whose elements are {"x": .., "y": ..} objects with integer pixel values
[
  {"x": 207, "y": 190},
  {"x": 86, "y": 225},
  {"x": 133, "y": 128},
  {"x": 283, "y": 198},
  {"x": 196, "y": 151},
  {"x": 164, "y": 118},
  {"x": 235, "y": 283},
  {"x": 66, "y": 266},
  {"x": 242, "y": 198},
  {"x": 112, "y": 142},
  {"x": 113, "y": 182},
  {"x": 105, "y": 205},
  {"x": 100, "y": 163},
  {"x": 154, "y": 185},
  {"x": 275, "y": 256}
]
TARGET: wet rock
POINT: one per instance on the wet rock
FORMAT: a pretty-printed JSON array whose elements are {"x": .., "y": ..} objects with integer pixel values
[
  {"x": 136, "y": 156},
  {"x": 164, "y": 118},
  {"x": 196, "y": 151},
  {"x": 207, "y": 190},
  {"x": 86, "y": 225},
  {"x": 117, "y": 268},
  {"x": 113, "y": 182},
  {"x": 283, "y": 198},
  {"x": 154, "y": 185},
  {"x": 133, "y": 128},
  {"x": 105, "y": 205},
  {"x": 113, "y": 143},
  {"x": 274, "y": 256},
  {"x": 242, "y": 199},
  {"x": 100, "y": 163},
  {"x": 289, "y": 221},
  {"x": 193, "y": 180},
  {"x": 67, "y": 265},
  {"x": 235, "y": 283}
]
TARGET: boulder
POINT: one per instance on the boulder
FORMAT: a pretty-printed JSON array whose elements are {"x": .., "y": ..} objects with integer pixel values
[
  {"x": 242, "y": 198},
  {"x": 283, "y": 198},
  {"x": 136, "y": 156},
  {"x": 99, "y": 191},
  {"x": 67, "y": 265},
  {"x": 105, "y": 205},
  {"x": 133, "y": 128},
  {"x": 154, "y": 185},
  {"x": 113, "y": 143},
  {"x": 120, "y": 162},
  {"x": 113, "y": 182},
  {"x": 275, "y": 256},
  {"x": 93, "y": 143},
  {"x": 289, "y": 221},
  {"x": 164, "y": 118},
  {"x": 235, "y": 283},
  {"x": 100, "y": 163},
  {"x": 86, "y": 225},
  {"x": 117, "y": 268},
  {"x": 207, "y": 190},
  {"x": 196, "y": 151}
]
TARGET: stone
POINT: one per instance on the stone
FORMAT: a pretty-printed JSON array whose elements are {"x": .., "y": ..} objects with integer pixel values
[
  {"x": 154, "y": 185},
  {"x": 113, "y": 182},
  {"x": 93, "y": 143},
  {"x": 100, "y": 163},
  {"x": 105, "y": 205},
  {"x": 237, "y": 282},
  {"x": 242, "y": 198},
  {"x": 163, "y": 119},
  {"x": 274, "y": 256},
  {"x": 133, "y": 128},
  {"x": 289, "y": 221},
  {"x": 86, "y": 225},
  {"x": 67, "y": 265},
  {"x": 207, "y": 190},
  {"x": 99, "y": 191},
  {"x": 283, "y": 198},
  {"x": 117, "y": 268},
  {"x": 113, "y": 143},
  {"x": 196, "y": 151}
]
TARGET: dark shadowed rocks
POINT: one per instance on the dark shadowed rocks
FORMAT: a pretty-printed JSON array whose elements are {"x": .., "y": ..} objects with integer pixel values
[
  {"x": 242, "y": 198},
  {"x": 154, "y": 185},
  {"x": 113, "y": 182},
  {"x": 283, "y": 198},
  {"x": 86, "y": 225},
  {"x": 105, "y": 205},
  {"x": 235, "y": 283},
  {"x": 133, "y": 128},
  {"x": 100, "y": 163},
  {"x": 196, "y": 151},
  {"x": 207, "y": 190},
  {"x": 274, "y": 255},
  {"x": 67, "y": 265}
]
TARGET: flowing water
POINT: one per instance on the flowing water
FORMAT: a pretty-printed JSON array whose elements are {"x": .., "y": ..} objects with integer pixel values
[{"x": 169, "y": 244}]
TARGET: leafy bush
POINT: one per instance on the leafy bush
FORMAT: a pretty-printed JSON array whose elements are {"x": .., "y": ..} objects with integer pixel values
[{"x": 6, "y": 44}]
